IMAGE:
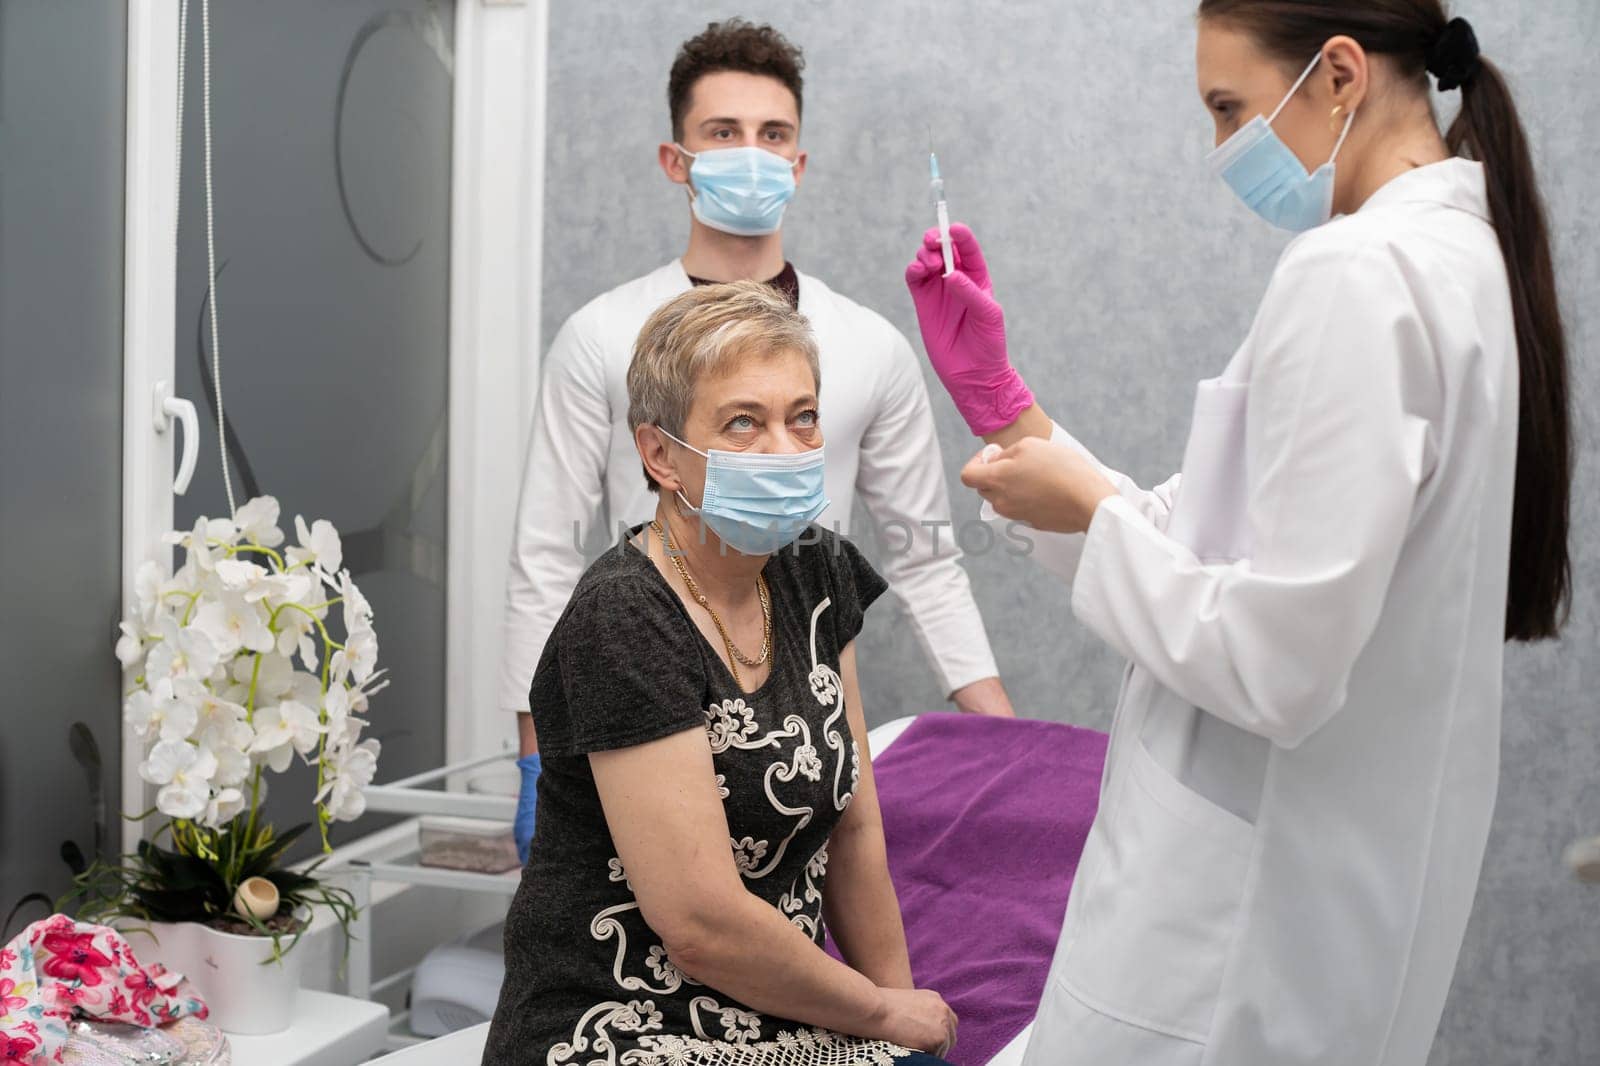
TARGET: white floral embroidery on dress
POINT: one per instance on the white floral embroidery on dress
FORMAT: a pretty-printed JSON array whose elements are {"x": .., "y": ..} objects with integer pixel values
[
  {"x": 730, "y": 722},
  {"x": 793, "y": 904},
  {"x": 808, "y": 763},
  {"x": 739, "y": 1026},
  {"x": 828, "y": 689},
  {"x": 824, "y": 684},
  {"x": 722, "y": 786},
  {"x": 662, "y": 966},
  {"x": 748, "y": 853},
  {"x": 608, "y": 924},
  {"x": 817, "y": 867},
  {"x": 634, "y": 1016},
  {"x": 805, "y": 1047}
]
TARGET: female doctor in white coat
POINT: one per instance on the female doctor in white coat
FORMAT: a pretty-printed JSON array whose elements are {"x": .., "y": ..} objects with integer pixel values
[{"x": 1373, "y": 499}]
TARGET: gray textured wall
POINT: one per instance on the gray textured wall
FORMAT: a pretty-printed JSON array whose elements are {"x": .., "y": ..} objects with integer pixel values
[{"x": 1073, "y": 142}]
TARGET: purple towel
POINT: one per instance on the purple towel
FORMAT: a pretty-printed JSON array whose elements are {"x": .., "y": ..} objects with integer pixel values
[{"x": 985, "y": 820}]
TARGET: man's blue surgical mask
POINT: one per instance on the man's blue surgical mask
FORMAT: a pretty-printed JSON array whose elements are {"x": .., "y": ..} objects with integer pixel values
[
  {"x": 741, "y": 191},
  {"x": 1270, "y": 178},
  {"x": 759, "y": 502}
]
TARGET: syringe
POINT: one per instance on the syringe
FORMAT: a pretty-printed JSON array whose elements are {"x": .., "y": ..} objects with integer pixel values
[{"x": 941, "y": 211}]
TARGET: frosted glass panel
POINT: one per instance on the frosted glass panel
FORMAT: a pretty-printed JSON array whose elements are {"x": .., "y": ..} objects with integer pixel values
[
  {"x": 61, "y": 146},
  {"x": 331, "y": 158}
]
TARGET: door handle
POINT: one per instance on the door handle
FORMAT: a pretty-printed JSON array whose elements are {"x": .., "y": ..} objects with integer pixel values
[{"x": 168, "y": 407}]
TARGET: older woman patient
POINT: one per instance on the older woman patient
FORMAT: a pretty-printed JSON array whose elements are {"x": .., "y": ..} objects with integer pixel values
[{"x": 707, "y": 802}]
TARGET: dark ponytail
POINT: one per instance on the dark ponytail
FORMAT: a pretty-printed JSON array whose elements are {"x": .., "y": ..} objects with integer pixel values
[
  {"x": 1418, "y": 37},
  {"x": 1488, "y": 129}
]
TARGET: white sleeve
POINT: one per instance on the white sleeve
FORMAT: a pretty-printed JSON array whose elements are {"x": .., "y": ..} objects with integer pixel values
[
  {"x": 1059, "y": 552},
  {"x": 563, "y": 480},
  {"x": 1335, "y": 454},
  {"x": 901, "y": 481}
]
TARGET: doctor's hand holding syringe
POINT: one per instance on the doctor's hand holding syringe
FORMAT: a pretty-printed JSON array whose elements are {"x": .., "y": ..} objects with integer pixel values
[{"x": 963, "y": 329}]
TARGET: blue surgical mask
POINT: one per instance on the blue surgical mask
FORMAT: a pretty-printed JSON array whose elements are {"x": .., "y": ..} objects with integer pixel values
[
  {"x": 1270, "y": 178},
  {"x": 741, "y": 191},
  {"x": 759, "y": 502}
]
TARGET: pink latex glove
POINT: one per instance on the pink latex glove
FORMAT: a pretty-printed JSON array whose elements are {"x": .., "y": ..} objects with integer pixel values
[{"x": 964, "y": 332}]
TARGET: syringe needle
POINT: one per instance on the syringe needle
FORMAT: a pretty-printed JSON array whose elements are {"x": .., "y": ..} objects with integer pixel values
[{"x": 940, "y": 209}]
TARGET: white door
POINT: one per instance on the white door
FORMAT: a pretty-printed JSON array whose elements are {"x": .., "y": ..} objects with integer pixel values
[{"x": 375, "y": 168}]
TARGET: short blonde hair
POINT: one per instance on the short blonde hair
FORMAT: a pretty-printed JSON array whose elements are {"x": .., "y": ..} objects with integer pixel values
[{"x": 708, "y": 330}]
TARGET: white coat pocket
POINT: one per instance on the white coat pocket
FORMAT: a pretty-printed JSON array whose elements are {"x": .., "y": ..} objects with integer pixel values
[
  {"x": 1168, "y": 870},
  {"x": 1210, "y": 516}
]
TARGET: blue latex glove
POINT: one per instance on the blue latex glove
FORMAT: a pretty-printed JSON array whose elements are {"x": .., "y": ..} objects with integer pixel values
[{"x": 527, "y": 798}]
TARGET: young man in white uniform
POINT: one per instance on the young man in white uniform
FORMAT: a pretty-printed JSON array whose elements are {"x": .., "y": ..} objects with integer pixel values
[{"x": 735, "y": 98}]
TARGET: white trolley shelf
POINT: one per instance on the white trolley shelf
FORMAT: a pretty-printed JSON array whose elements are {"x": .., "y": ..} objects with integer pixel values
[{"x": 413, "y": 796}]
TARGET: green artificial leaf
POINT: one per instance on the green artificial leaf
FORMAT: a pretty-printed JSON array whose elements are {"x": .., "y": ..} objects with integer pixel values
[
  {"x": 290, "y": 883},
  {"x": 267, "y": 857},
  {"x": 195, "y": 875},
  {"x": 172, "y": 905}
]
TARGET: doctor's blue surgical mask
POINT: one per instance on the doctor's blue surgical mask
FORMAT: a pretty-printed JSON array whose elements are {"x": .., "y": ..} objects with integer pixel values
[
  {"x": 1270, "y": 178},
  {"x": 758, "y": 502},
  {"x": 741, "y": 191}
]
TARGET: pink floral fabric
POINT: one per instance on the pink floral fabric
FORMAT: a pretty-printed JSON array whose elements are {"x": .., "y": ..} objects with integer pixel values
[{"x": 58, "y": 968}]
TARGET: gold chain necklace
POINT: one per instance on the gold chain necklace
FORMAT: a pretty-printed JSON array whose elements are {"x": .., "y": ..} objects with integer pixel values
[{"x": 735, "y": 656}]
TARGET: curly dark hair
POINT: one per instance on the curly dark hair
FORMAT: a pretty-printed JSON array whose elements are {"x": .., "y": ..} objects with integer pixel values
[{"x": 733, "y": 44}]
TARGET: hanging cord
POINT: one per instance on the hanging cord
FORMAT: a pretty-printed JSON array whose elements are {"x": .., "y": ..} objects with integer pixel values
[
  {"x": 177, "y": 182},
  {"x": 211, "y": 251},
  {"x": 211, "y": 221}
]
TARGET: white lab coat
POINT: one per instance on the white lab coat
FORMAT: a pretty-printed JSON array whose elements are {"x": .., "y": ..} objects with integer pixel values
[
  {"x": 881, "y": 444},
  {"x": 1304, "y": 757}
]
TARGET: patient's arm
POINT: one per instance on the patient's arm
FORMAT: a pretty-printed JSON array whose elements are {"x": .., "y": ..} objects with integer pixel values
[
  {"x": 859, "y": 902},
  {"x": 667, "y": 822}
]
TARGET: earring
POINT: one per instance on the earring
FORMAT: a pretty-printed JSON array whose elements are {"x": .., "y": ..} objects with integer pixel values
[{"x": 1333, "y": 119}]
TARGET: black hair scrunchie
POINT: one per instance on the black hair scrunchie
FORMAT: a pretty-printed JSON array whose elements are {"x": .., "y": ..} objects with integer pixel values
[{"x": 1453, "y": 59}]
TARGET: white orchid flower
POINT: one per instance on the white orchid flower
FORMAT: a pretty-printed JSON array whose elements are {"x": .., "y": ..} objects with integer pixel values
[
  {"x": 360, "y": 763},
  {"x": 285, "y": 588},
  {"x": 295, "y": 623},
  {"x": 336, "y": 709},
  {"x": 283, "y": 729},
  {"x": 223, "y": 807},
  {"x": 157, "y": 711},
  {"x": 222, "y": 729},
  {"x": 233, "y": 765},
  {"x": 213, "y": 709},
  {"x": 222, "y": 532},
  {"x": 319, "y": 546},
  {"x": 356, "y": 608},
  {"x": 306, "y": 688},
  {"x": 343, "y": 738},
  {"x": 353, "y": 769},
  {"x": 308, "y": 651},
  {"x": 184, "y": 772},
  {"x": 238, "y": 628},
  {"x": 130, "y": 646},
  {"x": 200, "y": 559},
  {"x": 361, "y": 652},
  {"x": 360, "y": 693},
  {"x": 148, "y": 588},
  {"x": 273, "y": 679},
  {"x": 185, "y": 652},
  {"x": 241, "y": 575},
  {"x": 258, "y": 522},
  {"x": 233, "y": 623},
  {"x": 344, "y": 799}
]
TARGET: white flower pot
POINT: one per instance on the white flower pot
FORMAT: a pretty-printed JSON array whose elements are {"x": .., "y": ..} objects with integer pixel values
[{"x": 247, "y": 994}]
